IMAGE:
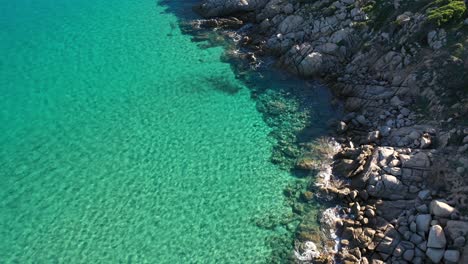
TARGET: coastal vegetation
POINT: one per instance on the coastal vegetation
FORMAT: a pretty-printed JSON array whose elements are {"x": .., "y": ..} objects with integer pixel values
[{"x": 447, "y": 11}]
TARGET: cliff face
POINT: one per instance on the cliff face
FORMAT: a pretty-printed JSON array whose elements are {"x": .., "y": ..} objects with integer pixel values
[{"x": 401, "y": 69}]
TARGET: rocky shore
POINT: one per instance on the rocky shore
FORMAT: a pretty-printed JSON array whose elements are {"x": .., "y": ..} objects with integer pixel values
[{"x": 400, "y": 68}]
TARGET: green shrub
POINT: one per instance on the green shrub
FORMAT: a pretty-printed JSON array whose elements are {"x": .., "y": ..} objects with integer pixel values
[{"x": 450, "y": 11}]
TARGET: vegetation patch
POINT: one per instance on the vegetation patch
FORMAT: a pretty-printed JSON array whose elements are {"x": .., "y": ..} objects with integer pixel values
[{"x": 447, "y": 11}]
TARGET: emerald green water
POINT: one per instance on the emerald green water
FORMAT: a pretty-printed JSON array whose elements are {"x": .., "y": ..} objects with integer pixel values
[{"x": 118, "y": 145}]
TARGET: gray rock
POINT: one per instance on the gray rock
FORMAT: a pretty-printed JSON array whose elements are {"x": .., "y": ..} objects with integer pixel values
[
  {"x": 395, "y": 101},
  {"x": 288, "y": 9},
  {"x": 436, "y": 237},
  {"x": 441, "y": 209},
  {"x": 463, "y": 148},
  {"x": 414, "y": 135},
  {"x": 361, "y": 120},
  {"x": 408, "y": 255},
  {"x": 387, "y": 245},
  {"x": 423, "y": 222},
  {"x": 424, "y": 194},
  {"x": 435, "y": 255},
  {"x": 459, "y": 242},
  {"x": 456, "y": 228},
  {"x": 389, "y": 187},
  {"x": 312, "y": 64},
  {"x": 290, "y": 23},
  {"x": 465, "y": 140},
  {"x": 418, "y": 160},
  {"x": 452, "y": 255},
  {"x": 415, "y": 238},
  {"x": 423, "y": 209},
  {"x": 405, "y": 111},
  {"x": 423, "y": 246}
]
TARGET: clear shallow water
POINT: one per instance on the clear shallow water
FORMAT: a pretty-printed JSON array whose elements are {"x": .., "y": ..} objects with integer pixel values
[
  {"x": 117, "y": 146},
  {"x": 120, "y": 143}
]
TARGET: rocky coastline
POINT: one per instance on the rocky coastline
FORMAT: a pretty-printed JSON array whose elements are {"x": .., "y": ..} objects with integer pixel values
[{"x": 398, "y": 167}]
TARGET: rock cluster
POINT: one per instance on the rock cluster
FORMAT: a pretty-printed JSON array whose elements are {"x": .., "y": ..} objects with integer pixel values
[{"x": 393, "y": 213}]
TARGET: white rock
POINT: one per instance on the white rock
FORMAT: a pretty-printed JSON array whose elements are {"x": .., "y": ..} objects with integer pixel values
[
  {"x": 385, "y": 152},
  {"x": 436, "y": 237},
  {"x": 425, "y": 142},
  {"x": 373, "y": 136},
  {"x": 403, "y": 19},
  {"x": 441, "y": 209}
]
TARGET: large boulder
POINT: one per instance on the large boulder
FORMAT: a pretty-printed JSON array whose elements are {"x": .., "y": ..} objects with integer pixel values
[
  {"x": 312, "y": 64},
  {"x": 214, "y": 8},
  {"x": 441, "y": 209}
]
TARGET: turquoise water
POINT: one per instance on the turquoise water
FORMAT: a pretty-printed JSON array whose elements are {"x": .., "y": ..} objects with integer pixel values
[{"x": 120, "y": 144}]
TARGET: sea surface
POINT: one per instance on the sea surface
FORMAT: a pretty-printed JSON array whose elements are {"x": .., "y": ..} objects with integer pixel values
[{"x": 122, "y": 141}]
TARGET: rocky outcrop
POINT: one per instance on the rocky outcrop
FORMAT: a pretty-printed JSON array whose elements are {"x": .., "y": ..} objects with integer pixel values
[
  {"x": 401, "y": 172},
  {"x": 215, "y": 8}
]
